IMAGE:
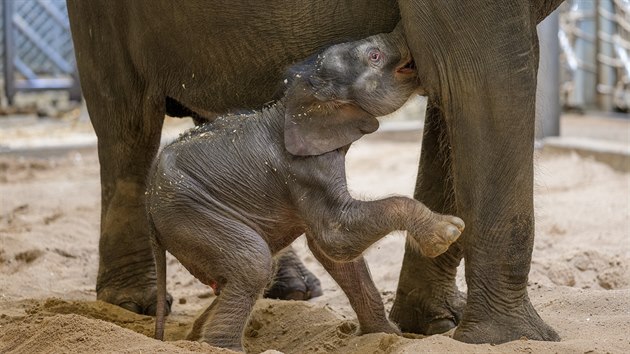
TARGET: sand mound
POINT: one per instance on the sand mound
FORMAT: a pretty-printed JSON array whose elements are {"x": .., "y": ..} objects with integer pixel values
[
  {"x": 54, "y": 326},
  {"x": 77, "y": 334}
]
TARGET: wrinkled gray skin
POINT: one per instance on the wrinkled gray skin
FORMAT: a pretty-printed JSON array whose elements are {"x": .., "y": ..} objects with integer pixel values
[
  {"x": 478, "y": 64},
  {"x": 227, "y": 196}
]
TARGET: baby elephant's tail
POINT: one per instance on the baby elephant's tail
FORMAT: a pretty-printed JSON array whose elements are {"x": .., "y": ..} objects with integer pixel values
[{"x": 159, "y": 253}]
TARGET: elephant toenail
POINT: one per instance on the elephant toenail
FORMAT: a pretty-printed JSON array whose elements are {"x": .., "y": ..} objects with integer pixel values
[
  {"x": 459, "y": 223},
  {"x": 151, "y": 310},
  {"x": 131, "y": 306},
  {"x": 439, "y": 326},
  {"x": 452, "y": 232}
]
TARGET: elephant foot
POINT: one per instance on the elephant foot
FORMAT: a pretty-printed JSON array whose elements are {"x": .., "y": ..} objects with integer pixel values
[
  {"x": 419, "y": 311},
  {"x": 131, "y": 285},
  {"x": 389, "y": 328},
  {"x": 292, "y": 280},
  {"x": 500, "y": 327},
  {"x": 141, "y": 300},
  {"x": 443, "y": 233}
]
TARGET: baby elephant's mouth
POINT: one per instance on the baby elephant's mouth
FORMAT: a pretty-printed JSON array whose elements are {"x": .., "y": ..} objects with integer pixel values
[{"x": 409, "y": 67}]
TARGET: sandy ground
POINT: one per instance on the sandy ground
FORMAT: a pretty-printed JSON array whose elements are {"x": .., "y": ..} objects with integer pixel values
[{"x": 49, "y": 219}]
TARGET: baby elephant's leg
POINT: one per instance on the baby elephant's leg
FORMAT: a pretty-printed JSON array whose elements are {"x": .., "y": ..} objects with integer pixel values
[
  {"x": 196, "y": 332},
  {"x": 223, "y": 322},
  {"x": 436, "y": 236},
  {"x": 242, "y": 264},
  {"x": 361, "y": 223},
  {"x": 431, "y": 233},
  {"x": 354, "y": 279}
]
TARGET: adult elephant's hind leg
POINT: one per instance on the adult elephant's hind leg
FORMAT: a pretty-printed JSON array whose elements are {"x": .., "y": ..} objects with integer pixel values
[
  {"x": 292, "y": 281},
  {"x": 427, "y": 300},
  {"x": 128, "y": 131}
]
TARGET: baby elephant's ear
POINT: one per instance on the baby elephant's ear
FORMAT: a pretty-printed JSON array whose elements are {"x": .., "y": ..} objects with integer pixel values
[{"x": 314, "y": 127}]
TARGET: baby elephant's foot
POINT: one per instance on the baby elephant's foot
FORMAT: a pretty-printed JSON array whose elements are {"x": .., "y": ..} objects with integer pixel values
[{"x": 440, "y": 235}]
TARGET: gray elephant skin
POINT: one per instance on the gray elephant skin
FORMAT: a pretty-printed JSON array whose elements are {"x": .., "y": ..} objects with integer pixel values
[
  {"x": 227, "y": 195},
  {"x": 477, "y": 61}
]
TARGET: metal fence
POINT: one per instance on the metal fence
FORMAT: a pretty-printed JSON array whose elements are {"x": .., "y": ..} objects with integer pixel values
[
  {"x": 595, "y": 42},
  {"x": 37, "y": 47}
]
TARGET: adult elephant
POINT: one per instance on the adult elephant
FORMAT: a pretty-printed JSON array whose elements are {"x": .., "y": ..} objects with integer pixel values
[{"x": 477, "y": 61}]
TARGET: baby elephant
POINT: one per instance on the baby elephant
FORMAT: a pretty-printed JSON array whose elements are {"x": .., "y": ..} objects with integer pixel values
[{"x": 226, "y": 196}]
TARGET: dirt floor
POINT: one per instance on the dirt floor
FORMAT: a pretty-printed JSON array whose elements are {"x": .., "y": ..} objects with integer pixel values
[{"x": 49, "y": 220}]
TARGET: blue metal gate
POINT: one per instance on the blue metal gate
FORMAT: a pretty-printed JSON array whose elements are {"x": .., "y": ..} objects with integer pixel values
[{"x": 37, "y": 48}]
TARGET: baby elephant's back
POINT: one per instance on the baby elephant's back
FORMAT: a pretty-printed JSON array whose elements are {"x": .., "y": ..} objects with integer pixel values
[{"x": 233, "y": 166}]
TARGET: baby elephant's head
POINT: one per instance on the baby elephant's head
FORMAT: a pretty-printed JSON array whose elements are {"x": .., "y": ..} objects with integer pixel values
[
  {"x": 334, "y": 97},
  {"x": 377, "y": 73}
]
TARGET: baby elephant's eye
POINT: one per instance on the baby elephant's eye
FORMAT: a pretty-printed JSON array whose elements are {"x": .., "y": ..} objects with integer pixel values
[{"x": 375, "y": 55}]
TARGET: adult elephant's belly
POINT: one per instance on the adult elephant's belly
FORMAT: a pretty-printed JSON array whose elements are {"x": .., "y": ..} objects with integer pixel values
[{"x": 222, "y": 62}]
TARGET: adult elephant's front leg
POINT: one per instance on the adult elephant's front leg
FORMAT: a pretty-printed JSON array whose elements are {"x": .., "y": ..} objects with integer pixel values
[
  {"x": 481, "y": 70},
  {"x": 128, "y": 139},
  {"x": 127, "y": 117}
]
